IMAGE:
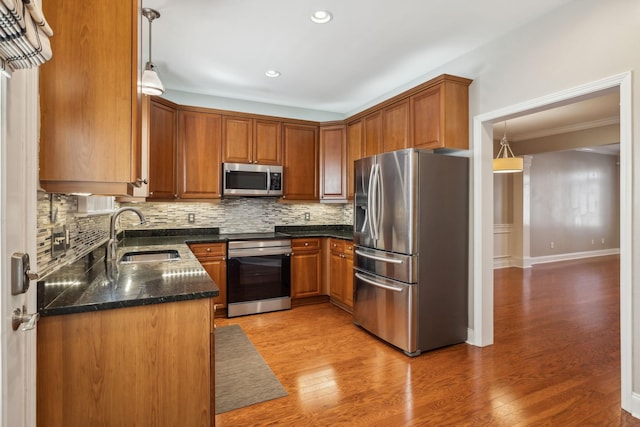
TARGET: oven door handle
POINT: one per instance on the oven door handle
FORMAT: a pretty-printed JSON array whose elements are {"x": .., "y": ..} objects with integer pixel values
[{"x": 238, "y": 253}]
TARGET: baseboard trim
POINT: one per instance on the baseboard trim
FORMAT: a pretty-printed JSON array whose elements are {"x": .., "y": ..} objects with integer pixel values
[
  {"x": 573, "y": 256},
  {"x": 635, "y": 405}
]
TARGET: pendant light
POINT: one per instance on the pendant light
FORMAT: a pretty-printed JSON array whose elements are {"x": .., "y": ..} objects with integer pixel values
[
  {"x": 505, "y": 161},
  {"x": 151, "y": 84}
]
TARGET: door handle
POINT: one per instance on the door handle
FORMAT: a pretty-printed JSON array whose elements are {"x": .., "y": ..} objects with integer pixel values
[
  {"x": 379, "y": 258},
  {"x": 20, "y": 316}
]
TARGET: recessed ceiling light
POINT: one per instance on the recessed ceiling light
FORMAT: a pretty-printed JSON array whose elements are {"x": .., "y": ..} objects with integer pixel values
[
  {"x": 272, "y": 73},
  {"x": 321, "y": 16}
]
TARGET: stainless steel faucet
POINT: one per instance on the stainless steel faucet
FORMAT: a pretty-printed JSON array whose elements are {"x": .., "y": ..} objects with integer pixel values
[{"x": 112, "y": 245}]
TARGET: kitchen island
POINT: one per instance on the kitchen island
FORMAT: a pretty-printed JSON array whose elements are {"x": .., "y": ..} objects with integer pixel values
[{"x": 127, "y": 344}]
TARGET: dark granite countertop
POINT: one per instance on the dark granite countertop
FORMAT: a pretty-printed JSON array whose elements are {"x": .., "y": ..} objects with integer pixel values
[
  {"x": 338, "y": 231},
  {"x": 91, "y": 284}
]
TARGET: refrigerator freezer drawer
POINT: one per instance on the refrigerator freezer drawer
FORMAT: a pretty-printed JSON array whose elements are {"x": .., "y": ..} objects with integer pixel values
[
  {"x": 387, "y": 309},
  {"x": 387, "y": 264}
]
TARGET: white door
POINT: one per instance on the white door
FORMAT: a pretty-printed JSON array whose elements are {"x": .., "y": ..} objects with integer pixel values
[{"x": 18, "y": 186}]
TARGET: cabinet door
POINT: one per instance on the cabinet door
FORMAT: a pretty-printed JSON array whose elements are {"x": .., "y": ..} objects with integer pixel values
[
  {"x": 90, "y": 104},
  {"x": 347, "y": 275},
  {"x": 300, "y": 149},
  {"x": 199, "y": 155},
  {"x": 440, "y": 115},
  {"x": 306, "y": 264},
  {"x": 426, "y": 112},
  {"x": 267, "y": 147},
  {"x": 162, "y": 151},
  {"x": 217, "y": 270},
  {"x": 395, "y": 126},
  {"x": 237, "y": 139},
  {"x": 373, "y": 134},
  {"x": 354, "y": 152},
  {"x": 333, "y": 173},
  {"x": 336, "y": 273},
  {"x": 305, "y": 273}
]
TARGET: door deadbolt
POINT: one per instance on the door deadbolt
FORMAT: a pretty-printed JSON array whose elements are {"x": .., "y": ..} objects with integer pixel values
[{"x": 21, "y": 273}]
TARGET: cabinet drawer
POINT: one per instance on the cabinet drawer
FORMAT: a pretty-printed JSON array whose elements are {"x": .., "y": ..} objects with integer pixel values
[
  {"x": 336, "y": 245},
  {"x": 348, "y": 247},
  {"x": 340, "y": 245},
  {"x": 204, "y": 250},
  {"x": 305, "y": 244}
]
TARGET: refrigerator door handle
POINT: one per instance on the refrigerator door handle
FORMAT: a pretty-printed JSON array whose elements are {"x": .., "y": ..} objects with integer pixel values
[
  {"x": 370, "y": 204},
  {"x": 379, "y": 285},
  {"x": 375, "y": 201},
  {"x": 379, "y": 258}
]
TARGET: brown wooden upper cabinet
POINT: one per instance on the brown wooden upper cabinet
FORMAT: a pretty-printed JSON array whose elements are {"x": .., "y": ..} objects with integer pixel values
[
  {"x": 90, "y": 134},
  {"x": 199, "y": 155},
  {"x": 440, "y": 114},
  {"x": 354, "y": 152},
  {"x": 333, "y": 163},
  {"x": 395, "y": 126},
  {"x": 372, "y": 134},
  {"x": 163, "y": 123},
  {"x": 300, "y": 151},
  {"x": 249, "y": 140}
]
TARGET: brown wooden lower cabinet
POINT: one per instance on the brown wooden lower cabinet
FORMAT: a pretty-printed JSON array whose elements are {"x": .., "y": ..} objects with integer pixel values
[
  {"x": 341, "y": 273},
  {"x": 213, "y": 258},
  {"x": 148, "y": 365},
  {"x": 306, "y": 265}
]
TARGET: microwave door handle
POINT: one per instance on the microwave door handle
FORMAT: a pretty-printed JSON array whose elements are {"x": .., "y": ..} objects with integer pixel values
[{"x": 268, "y": 180}]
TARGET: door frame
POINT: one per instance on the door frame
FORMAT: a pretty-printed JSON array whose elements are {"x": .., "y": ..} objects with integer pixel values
[
  {"x": 18, "y": 111},
  {"x": 481, "y": 333}
]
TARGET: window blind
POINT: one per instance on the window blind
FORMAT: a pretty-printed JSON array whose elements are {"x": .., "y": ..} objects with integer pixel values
[{"x": 24, "y": 36}]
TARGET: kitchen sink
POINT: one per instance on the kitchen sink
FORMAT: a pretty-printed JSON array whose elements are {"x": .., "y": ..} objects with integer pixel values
[{"x": 150, "y": 256}]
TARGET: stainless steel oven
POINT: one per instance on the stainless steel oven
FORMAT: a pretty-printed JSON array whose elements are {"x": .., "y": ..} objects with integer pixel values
[{"x": 258, "y": 276}]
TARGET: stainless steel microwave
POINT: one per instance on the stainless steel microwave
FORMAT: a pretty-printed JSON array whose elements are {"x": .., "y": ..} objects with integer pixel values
[{"x": 241, "y": 179}]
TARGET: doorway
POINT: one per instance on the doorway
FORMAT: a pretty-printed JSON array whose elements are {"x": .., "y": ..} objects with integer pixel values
[{"x": 482, "y": 226}]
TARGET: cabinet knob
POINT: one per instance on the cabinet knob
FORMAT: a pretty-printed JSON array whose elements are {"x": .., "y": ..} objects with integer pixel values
[
  {"x": 140, "y": 181},
  {"x": 224, "y": 258},
  {"x": 208, "y": 249},
  {"x": 175, "y": 196},
  {"x": 306, "y": 243},
  {"x": 150, "y": 193}
]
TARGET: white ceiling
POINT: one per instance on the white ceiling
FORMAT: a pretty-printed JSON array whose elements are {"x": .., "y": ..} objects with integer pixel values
[
  {"x": 600, "y": 110},
  {"x": 371, "y": 48}
]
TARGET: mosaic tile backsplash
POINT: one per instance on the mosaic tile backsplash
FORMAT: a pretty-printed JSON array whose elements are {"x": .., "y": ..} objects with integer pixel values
[{"x": 241, "y": 215}]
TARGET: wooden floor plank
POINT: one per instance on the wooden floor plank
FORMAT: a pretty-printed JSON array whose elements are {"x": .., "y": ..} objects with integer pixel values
[{"x": 555, "y": 361}]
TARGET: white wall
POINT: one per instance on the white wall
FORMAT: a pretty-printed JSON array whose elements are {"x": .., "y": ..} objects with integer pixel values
[
  {"x": 575, "y": 204},
  {"x": 583, "y": 42}
]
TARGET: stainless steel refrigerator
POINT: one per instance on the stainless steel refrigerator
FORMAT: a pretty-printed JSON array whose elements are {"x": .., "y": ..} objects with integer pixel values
[{"x": 411, "y": 248}]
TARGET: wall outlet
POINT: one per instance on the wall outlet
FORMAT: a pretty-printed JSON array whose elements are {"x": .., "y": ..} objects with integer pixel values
[
  {"x": 191, "y": 217},
  {"x": 552, "y": 245},
  {"x": 593, "y": 241},
  {"x": 603, "y": 240},
  {"x": 307, "y": 216}
]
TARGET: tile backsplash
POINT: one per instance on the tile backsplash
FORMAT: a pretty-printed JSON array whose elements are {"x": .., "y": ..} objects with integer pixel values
[
  {"x": 241, "y": 215},
  {"x": 85, "y": 233}
]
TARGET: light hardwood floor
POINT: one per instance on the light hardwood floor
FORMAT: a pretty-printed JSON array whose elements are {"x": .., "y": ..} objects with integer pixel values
[{"x": 555, "y": 361}]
